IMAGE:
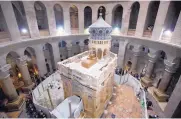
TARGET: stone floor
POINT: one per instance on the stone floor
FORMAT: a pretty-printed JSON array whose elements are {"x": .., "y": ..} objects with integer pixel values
[{"x": 123, "y": 104}]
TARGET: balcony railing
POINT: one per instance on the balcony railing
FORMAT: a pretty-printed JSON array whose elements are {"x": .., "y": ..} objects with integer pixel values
[
  {"x": 147, "y": 33},
  {"x": 44, "y": 32},
  {"x": 4, "y": 36},
  {"x": 131, "y": 32}
]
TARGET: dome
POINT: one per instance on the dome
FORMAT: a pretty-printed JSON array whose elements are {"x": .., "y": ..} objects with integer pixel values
[{"x": 100, "y": 30}]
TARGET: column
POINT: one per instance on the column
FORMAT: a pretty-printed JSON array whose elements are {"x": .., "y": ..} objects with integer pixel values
[
  {"x": 81, "y": 20},
  {"x": 94, "y": 13},
  {"x": 167, "y": 75},
  {"x": 135, "y": 61},
  {"x": 66, "y": 17},
  {"x": 160, "y": 19},
  {"x": 125, "y": 20},
  {"x": 22, "y": 65},
  {"x": 51, "y": 18},
  {"x": 146, "y": 80},
  {"x": 31, "y": 18},
  {"x": 10, "y": 19},
  {"x": 108, "y": 17},
  {"x": 56, "y": 52},
  {"x": 174, "y": 101},
  {"x": 40, "y": 59},
  {"x": 81, "y": 44},
  {"x": 141, "y": 18},
  {"x": 176, "y": 34},
  {"x": 7, "y": 84},
  {"x": 69, "y": 49}
]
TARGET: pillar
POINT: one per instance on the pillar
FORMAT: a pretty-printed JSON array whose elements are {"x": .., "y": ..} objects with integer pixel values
[
  {"x": 31, "y": 18},
  {"x": 141, "y": 18},
  {"x": 22, "y": 65},
  {"x": 7, "y": 84},
  {"x": 69, "y": 49},
  {"x": 51, "y": 18},
  {"x": 66, "y": 20},
  {"x": 160, "y": 19},
  {"x": 15, "y": 102},
  {"x": 125, "y": 20},
  {"x": 10, "y": 19},
  {"x": 167, "y": 75},
  {"x": 108, "y": 17},
  {"x": 176, "y": 34},
  {"x": 40, "y": 59},
  {"x": 56, "y": 52},
  {"x": 81, "y": 20},
  {"x": 81, "y": 46},
  {"x": 146, "y": 80},
  {"x": 94, "y": 13},
  {"x": 136, "y": 55}
]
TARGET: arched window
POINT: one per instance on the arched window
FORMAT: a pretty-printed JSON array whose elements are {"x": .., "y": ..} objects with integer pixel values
[
  {"x": 102, "y": 10},
  {"x": 87, "y": 17},
  {"x": 74, "y": 20},
  {"x": 117, "y": 16},
  {"x": 58, "y": 16},
  {"x": 134, "y": 15},
  {"x": 41, "y": 17},
  {"x": 150, "y": 18}
]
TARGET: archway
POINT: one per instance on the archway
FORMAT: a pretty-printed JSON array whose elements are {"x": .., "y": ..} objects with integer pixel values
[
  {"x": 117, "y": 16},
  {"x": 171, "y": 20},
  {"x": 21, "y": 18},
  {"x": 49, "y": 58},
  {"x": 41, "y": 17},
  {"x": 87, "y": 17},
  {"x": 102, "y": 10},
  {"x": 74, "y": 20},
  {"x": 133, "y": 18},
  {"x": 14, "y": 71},
  {"x": 31, "y": 63},
  {"x": 58, "y": 11},
  {"x": 3, "y": 28},
  {"x": 150, "y": 18}
]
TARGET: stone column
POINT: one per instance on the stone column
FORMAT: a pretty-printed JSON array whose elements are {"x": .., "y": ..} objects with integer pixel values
[
  {"x": 141, "y": 18},
  {"x": 7, "y": 84},
  {"x": 176, "y": 34},
  {"x": 159, "y": 22},
  {"x": 125, "y": 21},
  {"x": 51, "y": 18},
  {"x": 81, "y": 46},
  {"x": 10, "y": 19},
  {"x": 22, "y": 65},
  {"x": 108, "y": 17},
  {"x": 81, "y": 20},
  {"x": 40, "y": 59},
  {"x": 135, "y": 61},
  {"x": 66, "y": 20},
  {"x": 31, "y": 18},
  {"x": 167, "y": 75},
  {"x": 69, "y": 49},
  {"x": 146, "y": 80},
  {"x": 94, "y": 13},
  {"x": 56, "y": 52}
]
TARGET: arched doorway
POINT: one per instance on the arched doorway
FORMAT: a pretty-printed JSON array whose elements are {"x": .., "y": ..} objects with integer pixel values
[
  {"x": 14, "y": 71},
  {"x": 87, "y": 17},
  {"x": 102, "y": 10},
  {"x": 4, "y": 33},
  {"x": 74, "y": 20},
  {"x": 58, "y": 11},
  {"x": 49, "y": 58},
  {"x": 31, "y": 63},
  {"x": 41, "y": 17},
  {"x": 150, "y": 18},
  {"x": 171, "y": 20},
  {"x": 117, "y": 16},
  {"x": 21, "y": 18},
  {"x": 133, "y": 18}
]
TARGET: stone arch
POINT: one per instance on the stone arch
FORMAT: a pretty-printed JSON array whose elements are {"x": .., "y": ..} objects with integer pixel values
[
  {"x": 58, "y": 11},
  {"x": 134, "y": 15},
  {"x": 103, "y": 12},
  {"x": 87, "y": 16},
  {"x": 99, "y": 53},
  {"x": 151, "y": 15},
  {"x": 117, "y": 16},
  {"x": 74, "y": 19},
  {"x": 49, "y": 58},
  {"x": 41, "y": 17}
]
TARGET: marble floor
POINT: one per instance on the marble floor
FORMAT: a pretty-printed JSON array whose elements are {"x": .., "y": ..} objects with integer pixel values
[{"x": 124, "y": 104}]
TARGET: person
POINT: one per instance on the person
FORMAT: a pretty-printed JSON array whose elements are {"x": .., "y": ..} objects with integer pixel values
[{"x": 149, "y": 104}]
